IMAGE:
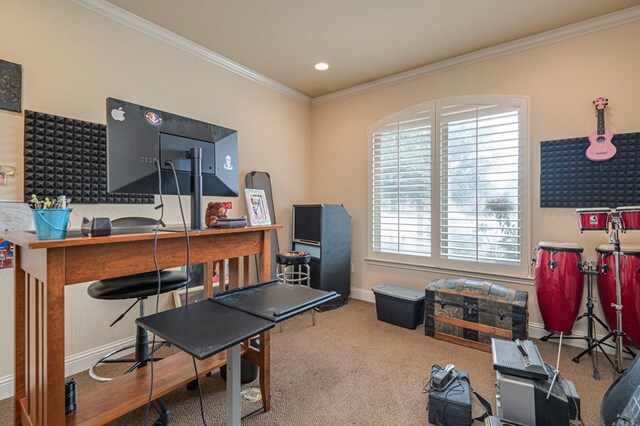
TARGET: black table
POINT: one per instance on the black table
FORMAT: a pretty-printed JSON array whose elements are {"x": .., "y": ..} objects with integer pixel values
[{"x": 221, "y": 323}]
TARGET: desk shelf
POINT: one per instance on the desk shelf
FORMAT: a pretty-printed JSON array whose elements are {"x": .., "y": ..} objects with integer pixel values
[{"x": 117, "y": 397}]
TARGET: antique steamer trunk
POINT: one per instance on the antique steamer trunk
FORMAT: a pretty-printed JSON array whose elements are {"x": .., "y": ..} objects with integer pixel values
[{"x": 471, "y": 312}]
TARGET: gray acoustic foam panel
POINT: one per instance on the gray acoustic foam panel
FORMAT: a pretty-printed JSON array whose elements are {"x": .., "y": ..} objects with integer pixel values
[
  {"x": 68, "y": 157},
  {"x": 569, "y": 179}
]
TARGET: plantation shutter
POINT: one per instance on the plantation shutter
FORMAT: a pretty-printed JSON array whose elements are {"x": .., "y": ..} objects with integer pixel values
[
  {"x": 481, "y": 183},
  {"x": 401, "y": 185}
]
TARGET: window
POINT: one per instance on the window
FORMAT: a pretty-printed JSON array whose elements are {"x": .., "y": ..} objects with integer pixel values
[
  {"x": 401, "y": 182},
  {"x": 447, "y": 184}
]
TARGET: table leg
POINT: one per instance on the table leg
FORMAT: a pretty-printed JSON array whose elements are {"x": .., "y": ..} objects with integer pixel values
[
  {"x": 209, "y": 270},
  {"x": 53, "y": 338},
  {"x": 40, "y": 314},
  {"x": 265, "y": 257},
  {"x": 265, "y": 369},
  {"x": 233, "y": 386},
  {"x": 19, "y": 336}
]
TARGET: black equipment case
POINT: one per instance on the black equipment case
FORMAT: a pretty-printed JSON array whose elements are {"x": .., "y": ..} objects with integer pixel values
[
  {"x": 470, "y": 312},
  {"x": 450, "y": 406}
]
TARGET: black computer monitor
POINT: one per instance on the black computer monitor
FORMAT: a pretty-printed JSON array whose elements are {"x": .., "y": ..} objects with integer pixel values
[{"x": 136, "y": 135}]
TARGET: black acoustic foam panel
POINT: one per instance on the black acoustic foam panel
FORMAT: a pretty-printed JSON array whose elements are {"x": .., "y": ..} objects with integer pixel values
[
  {"x": 68, "y": 157},
  {"x": 569, "y": 179}
]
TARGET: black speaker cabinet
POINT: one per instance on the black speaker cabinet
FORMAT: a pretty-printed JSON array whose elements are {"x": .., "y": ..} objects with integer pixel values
[{"x": 324, "y": 230}]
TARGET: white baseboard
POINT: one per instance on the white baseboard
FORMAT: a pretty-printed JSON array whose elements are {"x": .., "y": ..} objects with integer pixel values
[
  {"x": 6, "y": 386},
  {"x": 364, "y": 295},
  {"x": 74, "y": 363}
]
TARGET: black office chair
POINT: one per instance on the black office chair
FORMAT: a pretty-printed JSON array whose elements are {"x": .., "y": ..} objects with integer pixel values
[{"x": 138, "y": 287}]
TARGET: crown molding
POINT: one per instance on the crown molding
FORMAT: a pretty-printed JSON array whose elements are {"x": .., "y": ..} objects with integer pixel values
[
  {"x": 122, "y": 16},
  {"x": 591, "y": 25}
]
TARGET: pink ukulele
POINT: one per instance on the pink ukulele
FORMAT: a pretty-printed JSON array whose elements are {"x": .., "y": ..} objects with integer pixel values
[{"x": 600, "y": 146}]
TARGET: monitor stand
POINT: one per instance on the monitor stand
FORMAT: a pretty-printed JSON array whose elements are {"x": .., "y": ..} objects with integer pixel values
[{"x": 195, "y": 154}]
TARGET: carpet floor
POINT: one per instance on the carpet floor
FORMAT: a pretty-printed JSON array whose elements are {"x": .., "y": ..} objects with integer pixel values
[{"x": 351, "y": 369}]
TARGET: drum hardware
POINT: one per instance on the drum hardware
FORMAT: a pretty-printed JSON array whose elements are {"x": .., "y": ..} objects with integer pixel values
[
  {"x": 617, "y": 334},
  {"x": 590, "y": 269}
]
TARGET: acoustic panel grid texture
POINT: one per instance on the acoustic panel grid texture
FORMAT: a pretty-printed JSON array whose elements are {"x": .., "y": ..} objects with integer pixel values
[
  {"x": 569, "y": 179},
  {"x": 63, "y": 156}
]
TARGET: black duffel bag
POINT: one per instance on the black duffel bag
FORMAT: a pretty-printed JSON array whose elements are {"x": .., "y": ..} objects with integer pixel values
[{"x": 450, "y": 398}]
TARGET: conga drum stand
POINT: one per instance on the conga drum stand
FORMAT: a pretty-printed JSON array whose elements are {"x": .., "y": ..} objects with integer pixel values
[
  {"x": 590, "y": 269},
  {"x": 618, "y": 335}
]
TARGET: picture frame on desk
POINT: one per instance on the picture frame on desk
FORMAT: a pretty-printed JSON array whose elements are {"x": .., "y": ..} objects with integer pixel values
[{"x": 257, "y": 207}]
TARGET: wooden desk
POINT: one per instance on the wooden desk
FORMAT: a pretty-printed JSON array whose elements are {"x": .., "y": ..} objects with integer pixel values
[{"x": 44, "y": 268}]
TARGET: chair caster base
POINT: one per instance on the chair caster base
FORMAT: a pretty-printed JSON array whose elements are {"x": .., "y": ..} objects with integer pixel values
[
  {"x": 161, "y": 422},
  {"x": 163, "y": 411}
]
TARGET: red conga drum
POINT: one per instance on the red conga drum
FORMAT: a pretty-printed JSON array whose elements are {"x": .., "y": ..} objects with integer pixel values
[
  {"x": 629, "y": 288},
  {"x": 594, "y": 219},
  {"x": 629, "y": 218},
  {"x": 559, "y": 284}
]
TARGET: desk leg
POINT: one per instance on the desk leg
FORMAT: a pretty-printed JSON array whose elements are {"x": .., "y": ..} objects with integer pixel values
[
  {"x": 19, "y": 336},
  {"x": 53, "y": 338},
  {"x": 208, "y": 279},
  {"x": 40, "y": 314},
  {"x": 265, "y": 257},
  {"x": 233, "y": 386},
  {"x": 265, "y": 369}
]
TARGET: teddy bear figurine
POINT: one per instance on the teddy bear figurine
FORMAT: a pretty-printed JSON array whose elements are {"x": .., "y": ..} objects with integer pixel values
[{"x": 215, "y": 210}]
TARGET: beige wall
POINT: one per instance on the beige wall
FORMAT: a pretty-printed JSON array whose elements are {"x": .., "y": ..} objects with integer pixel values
[
  {"x": 561, "y": 80},
  {"x": 73, "y": 59}
]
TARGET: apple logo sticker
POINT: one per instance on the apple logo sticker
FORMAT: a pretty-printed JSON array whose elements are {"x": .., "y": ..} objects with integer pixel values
[{"x": 117, "y": 114}]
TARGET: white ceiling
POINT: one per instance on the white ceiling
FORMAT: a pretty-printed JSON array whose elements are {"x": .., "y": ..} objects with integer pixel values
[{"x": 362, "y": 40}]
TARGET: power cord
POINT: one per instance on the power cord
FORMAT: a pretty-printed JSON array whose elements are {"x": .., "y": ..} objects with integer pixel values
[
  {"x": 155, "y": 262},
  {"x": 186, "y": 233}
]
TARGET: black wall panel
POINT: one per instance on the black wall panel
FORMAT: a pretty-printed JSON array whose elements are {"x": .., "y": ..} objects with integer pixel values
[
  {"x": 569, "y": 179},
  {"x": 68, "y": 157}
]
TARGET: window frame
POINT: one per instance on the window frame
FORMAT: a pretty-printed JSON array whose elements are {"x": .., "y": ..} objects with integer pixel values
[{"x": 435, "y": 260}]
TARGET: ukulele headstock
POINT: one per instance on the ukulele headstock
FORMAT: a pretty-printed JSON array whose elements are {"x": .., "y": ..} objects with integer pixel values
[{"x": 601, "y": 102}]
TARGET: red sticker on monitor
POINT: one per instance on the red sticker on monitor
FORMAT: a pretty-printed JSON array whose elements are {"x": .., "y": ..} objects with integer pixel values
[
  {"x": 227, "y": 205},
  {"x": 153, "y": 118}
]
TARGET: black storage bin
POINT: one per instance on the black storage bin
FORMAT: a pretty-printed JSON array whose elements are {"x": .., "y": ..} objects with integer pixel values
[{"x": 399, "y": 305}]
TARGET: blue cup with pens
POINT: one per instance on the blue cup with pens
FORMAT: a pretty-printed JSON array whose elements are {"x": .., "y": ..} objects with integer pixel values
[{"x": 51, "y": 218}]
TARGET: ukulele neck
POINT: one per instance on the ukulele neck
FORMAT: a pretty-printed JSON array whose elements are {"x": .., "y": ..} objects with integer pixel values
[{"x": 601, "y": 121}]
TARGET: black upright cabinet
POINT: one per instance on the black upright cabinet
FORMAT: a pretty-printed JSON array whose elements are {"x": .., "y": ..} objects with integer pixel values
[{"x": 324, "y": 230}]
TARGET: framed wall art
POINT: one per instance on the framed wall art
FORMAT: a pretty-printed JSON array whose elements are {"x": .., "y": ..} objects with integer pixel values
[{"x": 10, "y": 86}]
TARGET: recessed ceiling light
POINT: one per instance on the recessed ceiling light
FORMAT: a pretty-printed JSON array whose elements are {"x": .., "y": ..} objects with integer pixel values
[{"x": 321, "y": 66}]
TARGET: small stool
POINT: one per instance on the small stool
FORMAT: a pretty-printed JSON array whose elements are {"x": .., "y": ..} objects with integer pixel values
[{"x": 292, "y": 267}]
